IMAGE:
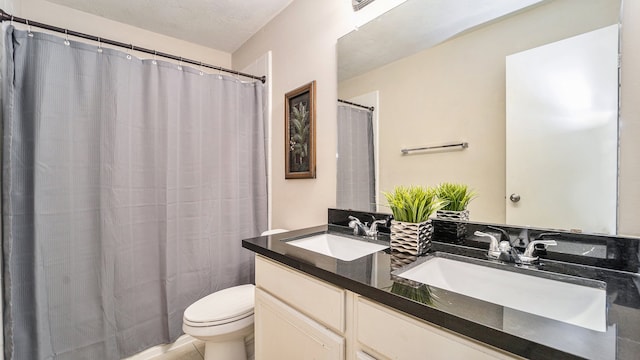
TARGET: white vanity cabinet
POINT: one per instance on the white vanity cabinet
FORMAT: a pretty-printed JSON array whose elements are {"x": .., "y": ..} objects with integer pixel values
[
  {"x": 300, "y": 317},
  {"x": 297, "y": 316}
]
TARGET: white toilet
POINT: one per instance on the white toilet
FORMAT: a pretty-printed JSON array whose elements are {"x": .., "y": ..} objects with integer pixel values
[{"x": 222, "y": 320}]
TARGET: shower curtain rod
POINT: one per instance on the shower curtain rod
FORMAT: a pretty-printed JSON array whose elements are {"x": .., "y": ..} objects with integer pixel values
[
  {"x": 370, "y": 108},
  {"x": 4, "y": 16}
]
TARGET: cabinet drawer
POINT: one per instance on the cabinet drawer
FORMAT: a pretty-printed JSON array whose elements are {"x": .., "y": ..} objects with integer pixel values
[
  {"x": 322, "y": 301},
  {"x": 397, "y": 336}
]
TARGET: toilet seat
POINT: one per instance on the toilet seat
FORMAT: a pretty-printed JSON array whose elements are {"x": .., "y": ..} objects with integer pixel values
[
  {"x": 222, "y": 307},
  {"x": 215, "y": 323}
]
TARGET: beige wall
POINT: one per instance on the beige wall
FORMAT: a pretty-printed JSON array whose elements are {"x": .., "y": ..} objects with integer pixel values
[
  {"x": 64, "y": 17},
  {"x": 456, "y": 92},
  {"x": 7, "y": 5},
  {"x": 303, "y": 43}
]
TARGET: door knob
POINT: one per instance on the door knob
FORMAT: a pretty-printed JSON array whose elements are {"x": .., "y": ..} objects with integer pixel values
[{"x": 514, "y": 197}]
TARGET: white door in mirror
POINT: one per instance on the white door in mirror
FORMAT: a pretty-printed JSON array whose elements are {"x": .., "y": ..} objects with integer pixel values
[{"x": 562, "y": 133}]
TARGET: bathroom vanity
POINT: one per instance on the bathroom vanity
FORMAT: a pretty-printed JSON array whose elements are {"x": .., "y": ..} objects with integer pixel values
[
  {"x": 299, "y": 316},
  {"x": 311, "y": 304}
]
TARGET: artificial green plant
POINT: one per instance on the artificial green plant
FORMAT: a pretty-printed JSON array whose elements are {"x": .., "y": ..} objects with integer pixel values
[
  {"x": 455, "y": 196},
  {"x": 421, "y": 294},
  {"x": 414, "y": 204}
]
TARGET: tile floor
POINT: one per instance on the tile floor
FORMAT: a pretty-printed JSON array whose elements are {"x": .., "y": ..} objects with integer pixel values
[
  {"x": 195, "y": 351},
  {"x": 192, "y": 351}
]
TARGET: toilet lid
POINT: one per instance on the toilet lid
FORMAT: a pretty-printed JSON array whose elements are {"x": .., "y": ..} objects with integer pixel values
[{"x": 222, "y": 306}]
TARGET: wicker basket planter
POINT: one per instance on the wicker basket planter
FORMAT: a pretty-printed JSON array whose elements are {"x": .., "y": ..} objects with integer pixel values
[
  {"x": 453, "y": 215},
  {"x": 411, "y": 238},
  {"x": 451, "y": 231}
]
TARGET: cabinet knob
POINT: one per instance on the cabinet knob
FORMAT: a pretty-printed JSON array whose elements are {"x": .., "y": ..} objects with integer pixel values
[{"x": 514, "y": 197}]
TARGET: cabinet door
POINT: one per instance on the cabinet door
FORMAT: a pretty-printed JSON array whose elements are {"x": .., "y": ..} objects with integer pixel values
[
  {"x": 282, "y": 332},
  {"x": 393, "y": 335}
]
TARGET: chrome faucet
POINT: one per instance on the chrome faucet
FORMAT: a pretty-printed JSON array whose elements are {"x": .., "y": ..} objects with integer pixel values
[
  {"x": 502, "y": 250},
  {"x": 494, "y": 244},
  {"x": 362, "y": 229},
  {"x": 358, "y": 227},
  {"x": 527, "y": 257}
]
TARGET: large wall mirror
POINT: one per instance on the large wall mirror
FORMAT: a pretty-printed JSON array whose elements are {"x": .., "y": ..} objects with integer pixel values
[{"x": 440, "y": 72}]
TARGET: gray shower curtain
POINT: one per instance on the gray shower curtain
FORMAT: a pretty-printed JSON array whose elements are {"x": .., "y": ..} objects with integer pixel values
[
  {"x": 356, "y": 188},
  {"x": 127, "y": 186}
]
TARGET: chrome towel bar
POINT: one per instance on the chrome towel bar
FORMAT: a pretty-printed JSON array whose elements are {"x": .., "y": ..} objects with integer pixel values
[{"x": 462, "y": 145}]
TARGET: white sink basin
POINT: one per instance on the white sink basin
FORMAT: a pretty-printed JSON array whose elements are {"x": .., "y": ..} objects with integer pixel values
[
  {"x": 569, "y": 302},
  {"x": 338, "y": 247}
]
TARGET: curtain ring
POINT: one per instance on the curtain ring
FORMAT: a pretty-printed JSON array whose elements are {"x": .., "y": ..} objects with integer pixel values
[
  {"x": 200, "y": 68},
  {"x": 29, "y": 33},
  {"x": 180, "y": 64},
  {"x": 129, "y": 52},
  {"x": 99, "y": 45},
  {"x": 66, "y": 37},
  {"x": 154, "y": 61}
]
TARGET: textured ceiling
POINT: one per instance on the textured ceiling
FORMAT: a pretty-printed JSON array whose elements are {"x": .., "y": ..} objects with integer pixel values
[{"x": 219, "y": 24}]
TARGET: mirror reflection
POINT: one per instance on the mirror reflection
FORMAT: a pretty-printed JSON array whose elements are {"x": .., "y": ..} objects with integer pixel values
[{"x": 480, "y": 77}]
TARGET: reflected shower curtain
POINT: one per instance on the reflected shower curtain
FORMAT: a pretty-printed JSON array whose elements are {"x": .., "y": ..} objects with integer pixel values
[
  {"x": 127, "y": 186},
  {"x": 356, "y": 166}
]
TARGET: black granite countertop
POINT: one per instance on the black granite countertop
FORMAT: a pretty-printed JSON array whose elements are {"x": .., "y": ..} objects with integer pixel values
[{"x": 515, "y": 331}]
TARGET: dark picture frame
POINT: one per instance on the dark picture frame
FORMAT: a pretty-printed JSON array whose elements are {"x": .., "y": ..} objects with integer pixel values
[{"x": 300, "y": 132}]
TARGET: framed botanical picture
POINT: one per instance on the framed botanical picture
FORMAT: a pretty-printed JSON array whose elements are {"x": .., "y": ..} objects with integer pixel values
[{"x": 300, "y": 132}]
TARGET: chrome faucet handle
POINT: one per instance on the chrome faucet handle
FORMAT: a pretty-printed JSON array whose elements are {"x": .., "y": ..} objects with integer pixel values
[
  {"x": 494, "y": 245},
  {"x": 365, "y": 229},
  {"x": 527, "y": 257},
  {"x": 357, "y": 226},
  {"x": 541, "y": 236},
  {"x": 373, "y": 229},
  {"x": 504, "y": 235}
]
